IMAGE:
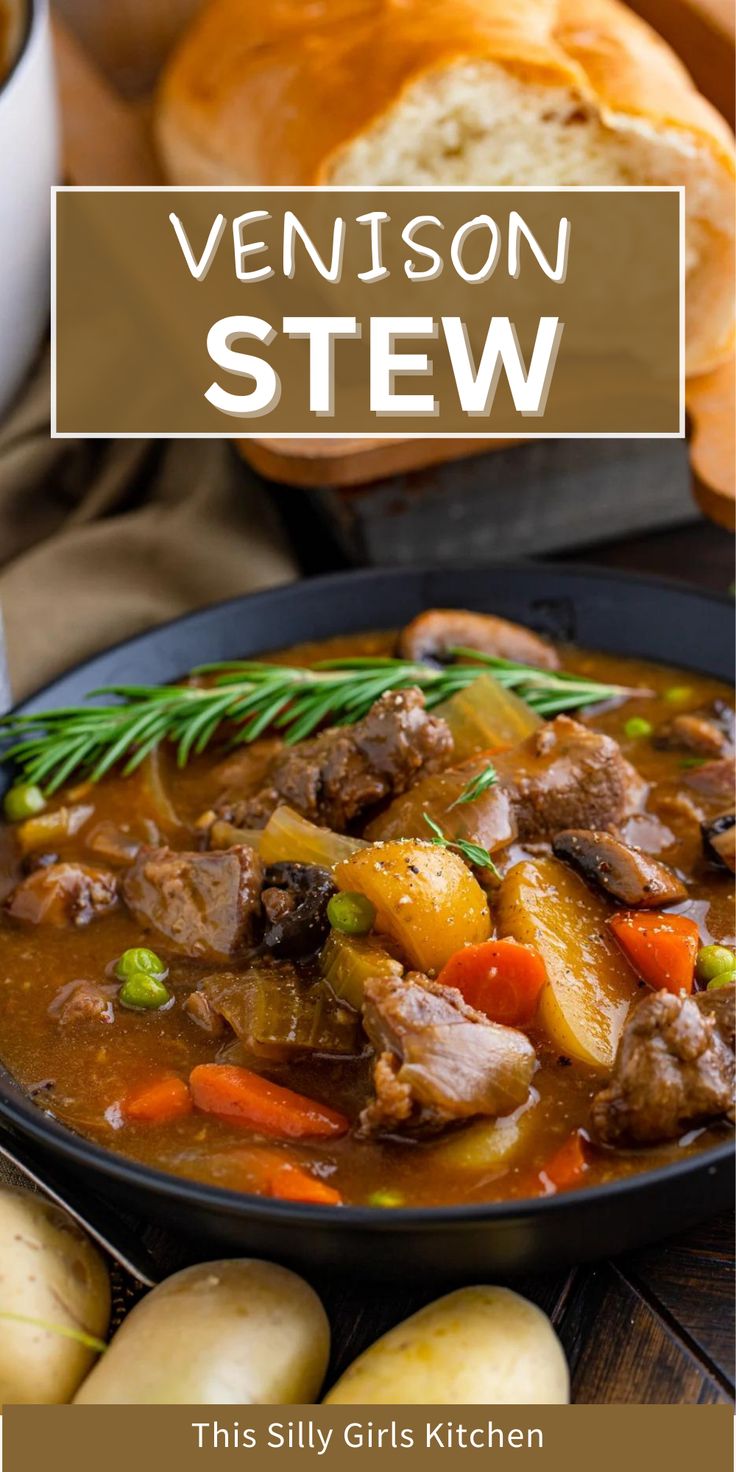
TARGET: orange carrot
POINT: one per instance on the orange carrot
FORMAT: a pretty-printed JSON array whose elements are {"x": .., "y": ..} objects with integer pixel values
[
  {"x": 158, "y": 1102},
  {"x": 291, "y": 1183},
  {"x": 661, "y": 948},
  {"x": 243, "y": 1097},
  {"x": 268, "y": 1172},
  {"x": 500, "y": 978},
  {"x": 568, "y": 1165}
]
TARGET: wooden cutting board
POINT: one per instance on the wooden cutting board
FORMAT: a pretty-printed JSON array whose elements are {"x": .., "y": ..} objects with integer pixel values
[{"x": 106, "y": 141}]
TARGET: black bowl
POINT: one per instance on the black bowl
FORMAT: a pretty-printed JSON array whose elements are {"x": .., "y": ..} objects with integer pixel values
[{"x": 624, "y": 615}]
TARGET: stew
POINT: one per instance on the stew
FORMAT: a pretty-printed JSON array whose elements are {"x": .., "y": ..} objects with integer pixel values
[{"x": 452, "y": 927}]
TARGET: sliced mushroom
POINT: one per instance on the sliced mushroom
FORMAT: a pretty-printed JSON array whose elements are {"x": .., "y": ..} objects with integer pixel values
[
  {"x": 708, "y": 731},
  {"x": 430, "y": 637},
  {"x": 719, "y": 840},
  {"x": 631, "y": 877},
  {"x": 295, "y": 898}
]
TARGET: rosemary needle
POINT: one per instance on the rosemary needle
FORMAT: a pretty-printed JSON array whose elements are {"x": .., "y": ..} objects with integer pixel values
[
  {"x": 476, "y": 786},
  {"x": 473, "y": 853},
  {"x": 252, "y": 696}
]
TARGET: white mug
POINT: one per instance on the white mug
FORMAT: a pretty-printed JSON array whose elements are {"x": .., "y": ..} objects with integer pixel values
[{"x": 28, "y": 168}]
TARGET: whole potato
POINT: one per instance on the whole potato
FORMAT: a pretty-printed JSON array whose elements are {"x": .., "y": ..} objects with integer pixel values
[
  {"x": 49, "y": 1274},
  {"x": 478, "y": 1346},
  {"x": 220, "y": 1333}
]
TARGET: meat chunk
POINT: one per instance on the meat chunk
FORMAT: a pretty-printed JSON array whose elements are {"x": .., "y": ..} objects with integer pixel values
[
  {"x": 715, "y": 779},
  {"x": 721, "y": 1006},
  {"x": 82, "y": 1002},
  {"x": 707, "y": 732},
  {"x": 332, "y": 778},
  {"x": 438, "y": 1059},
  {"x": 624, "y": 873},
  {"x": 200, "y": 1009},
  {"x": 674, "y": 1070},
  {"x": 719, "y": 840},
  {"x": 433, "y": 635},
  {"x": 274, "y": 1012},
  {"x": 205, "y": 905},
  {"x": 567, "y": 776},
  {"x": 63, "y": 894}
]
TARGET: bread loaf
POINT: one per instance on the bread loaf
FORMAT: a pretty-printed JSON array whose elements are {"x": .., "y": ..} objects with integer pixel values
[{"x": 455, "y": 92}]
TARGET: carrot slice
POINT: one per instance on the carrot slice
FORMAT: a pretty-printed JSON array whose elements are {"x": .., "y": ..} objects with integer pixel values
[
  {"x": 291, "y": 1183},
  {"x": 243, "y": 1097},
  {"x": 270, "y": 1172},
  {"x": 500, "y": 978},
  {"x": 158, "y": 1102},
  {"x": 661, "y": 948},
  {"x": 568, "y": 1165}
]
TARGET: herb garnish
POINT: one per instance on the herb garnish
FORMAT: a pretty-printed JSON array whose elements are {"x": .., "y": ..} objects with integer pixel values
[
  {"x": 50, "y": 746},
  {"x": 476, "y": 786},
  {"x": 473, "y": 853}
]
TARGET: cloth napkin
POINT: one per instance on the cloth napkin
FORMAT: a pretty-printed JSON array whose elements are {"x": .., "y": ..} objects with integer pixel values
[{"x": 101, "y": 539}]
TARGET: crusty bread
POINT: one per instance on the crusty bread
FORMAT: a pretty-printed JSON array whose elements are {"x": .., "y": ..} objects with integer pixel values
[{"x": 460, "y": 92}]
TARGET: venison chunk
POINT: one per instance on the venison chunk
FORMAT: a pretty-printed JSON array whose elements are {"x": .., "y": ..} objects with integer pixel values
[
  {"x": 334, "y": 776},
  {"x": 63, "y": 894},
  {"x": 674, "y": 1070},
  {"x": 716, "y": 779},
  {"x": 438, "y": 1060},
  {"x": 627, "y": 875},
  {"x": 205, "y": 906},
  {"x": 567, "y": 776},
  {"x": 81, "y": 1002},
  {"x": 707, "y": 732}
]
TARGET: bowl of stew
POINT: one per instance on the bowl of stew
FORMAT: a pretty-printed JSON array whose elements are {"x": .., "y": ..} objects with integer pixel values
[{"x": 386, "y": 918}]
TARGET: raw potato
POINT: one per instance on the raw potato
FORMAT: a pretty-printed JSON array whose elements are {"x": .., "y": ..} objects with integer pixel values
[
  {"x": 591, "y": 986},
  {"x": 221, "y": 1333},
  {"x": 478, "y": 1346},
  {"x": 426, "y": 898},
  {"x": 51, "y": 1273}
]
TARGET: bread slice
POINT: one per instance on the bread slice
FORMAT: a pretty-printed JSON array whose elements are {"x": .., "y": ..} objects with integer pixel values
[{"x": 456, "y": 92}]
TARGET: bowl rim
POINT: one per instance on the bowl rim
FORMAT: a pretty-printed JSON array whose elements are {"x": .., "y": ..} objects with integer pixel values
[
  {"x": 101, "y": 1161},
  {"x": 263, "y": 596}
]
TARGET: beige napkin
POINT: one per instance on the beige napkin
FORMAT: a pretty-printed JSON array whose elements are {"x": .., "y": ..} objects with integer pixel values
[{"x": 102, "y": 539}]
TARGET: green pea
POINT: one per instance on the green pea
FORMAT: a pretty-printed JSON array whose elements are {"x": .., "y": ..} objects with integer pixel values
[
  {"x": 726, "y": 978},
  {"x": 144, "y": 992},
  {"x": 677, "y": 694},
  {"x": 638, "y": 726},
  {"x": 386, "y": 1197},
  {"x": 137, "y": 959},
  {"x": 712, "y": 961},
  {"x": 353, "y": 914},
  {"x": 23, "y": 801}
]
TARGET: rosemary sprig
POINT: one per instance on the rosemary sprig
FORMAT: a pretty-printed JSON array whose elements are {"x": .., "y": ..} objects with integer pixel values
[
  {"x": 255, "y": 696},
  {"x": 476, "y": 786},
  {"x": 473, "y": 853}
]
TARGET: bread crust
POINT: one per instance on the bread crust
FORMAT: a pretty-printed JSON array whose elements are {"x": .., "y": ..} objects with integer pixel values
[
  {"x": 270, "y": 93},
  {"x": 273, "y": 92}
]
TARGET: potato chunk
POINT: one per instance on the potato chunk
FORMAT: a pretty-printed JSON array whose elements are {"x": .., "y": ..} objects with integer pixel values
[
  {"x": 426, "y": 898},
  {"x": 590, "y": 984}
]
